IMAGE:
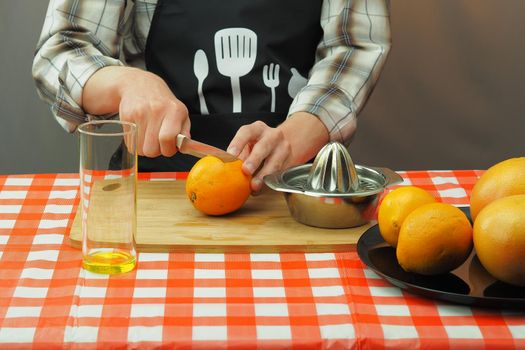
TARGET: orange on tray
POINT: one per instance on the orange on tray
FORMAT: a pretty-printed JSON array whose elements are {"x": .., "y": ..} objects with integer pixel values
[
  {"x": 503, "y": 179},
  {"x": 434, "y": 238},
  {"x": 395, "y": 207},
  {"x": 499, "y": 239},
  {"x": 215, "y": 187}
]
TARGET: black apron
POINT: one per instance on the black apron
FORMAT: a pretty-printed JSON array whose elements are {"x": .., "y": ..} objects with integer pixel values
[{"x": 231, "y": 62}]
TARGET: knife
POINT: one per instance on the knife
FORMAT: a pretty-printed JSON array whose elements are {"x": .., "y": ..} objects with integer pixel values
[{"x": 199, "y": 149}]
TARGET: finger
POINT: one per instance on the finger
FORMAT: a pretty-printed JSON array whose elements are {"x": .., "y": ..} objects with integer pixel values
[
  {"x": 273, "y": 163},
  {"x": 130, "y": 135},
  {"x": 176, "y": 121},
  {"x": 261, "y": 150},
  {"x": 246, "y": 135},
  {"x": 186, "y": 126},
  {"x": 244, "y": 153},
  {"x": 134, "y": 114},
  {"x": 151, "y": 147},
  {"x": 168, "y": 135}
]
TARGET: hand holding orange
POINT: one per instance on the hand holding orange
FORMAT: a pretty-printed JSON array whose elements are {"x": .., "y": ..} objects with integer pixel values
[{"x": 215, "y": 187}]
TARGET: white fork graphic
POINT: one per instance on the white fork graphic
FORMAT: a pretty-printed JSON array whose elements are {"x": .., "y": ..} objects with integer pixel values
[
  {"x": 271, "y": 80},
  {"x": 235, "y": 52}
]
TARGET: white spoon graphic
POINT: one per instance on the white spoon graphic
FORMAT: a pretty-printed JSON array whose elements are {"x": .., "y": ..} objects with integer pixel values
[{"x": 200, "y": 69}]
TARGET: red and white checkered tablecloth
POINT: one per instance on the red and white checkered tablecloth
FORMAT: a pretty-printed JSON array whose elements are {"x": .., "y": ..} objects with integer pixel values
[{"x": 288, "y": 300}]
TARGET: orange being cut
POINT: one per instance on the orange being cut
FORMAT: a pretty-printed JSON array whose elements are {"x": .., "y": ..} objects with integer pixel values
[{"x": 215, "y": 187}]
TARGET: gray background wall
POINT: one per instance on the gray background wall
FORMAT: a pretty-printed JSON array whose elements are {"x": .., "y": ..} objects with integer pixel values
[
  {"x": 31, "y": 141},
  {"x": 451, "y": 95}
]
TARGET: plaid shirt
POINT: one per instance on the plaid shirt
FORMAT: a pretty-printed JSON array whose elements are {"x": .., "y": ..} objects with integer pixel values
[{"x": 81, "y": 36}]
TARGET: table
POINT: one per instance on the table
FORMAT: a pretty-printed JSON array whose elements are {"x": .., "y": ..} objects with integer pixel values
[{"x": 194, "y": 300}]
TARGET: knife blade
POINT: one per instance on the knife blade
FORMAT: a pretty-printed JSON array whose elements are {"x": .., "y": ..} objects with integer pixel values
[{"x": 199, "y": 149}]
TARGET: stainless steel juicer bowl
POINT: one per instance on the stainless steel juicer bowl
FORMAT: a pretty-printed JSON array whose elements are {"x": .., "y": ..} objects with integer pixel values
[{"x": 332, "y": 192}]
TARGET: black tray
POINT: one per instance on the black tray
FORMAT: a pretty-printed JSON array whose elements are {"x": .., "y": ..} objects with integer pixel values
[{"x": 469, "y": 284}]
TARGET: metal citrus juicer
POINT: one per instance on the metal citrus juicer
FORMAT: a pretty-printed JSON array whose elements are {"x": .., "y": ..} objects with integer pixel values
[{"x": 332, "y": 192}]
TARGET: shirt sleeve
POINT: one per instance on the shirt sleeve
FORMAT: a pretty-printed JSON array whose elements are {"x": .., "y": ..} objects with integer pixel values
[
  {"x": 349, "y": 59},
  {"x": 78, "y": 38}
]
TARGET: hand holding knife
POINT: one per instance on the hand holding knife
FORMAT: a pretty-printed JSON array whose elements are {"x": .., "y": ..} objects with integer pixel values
[{"x": 198, "y": 149}]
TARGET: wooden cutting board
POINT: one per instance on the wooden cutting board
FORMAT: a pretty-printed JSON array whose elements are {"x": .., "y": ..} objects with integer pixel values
[{"x": 167, "y": 222}]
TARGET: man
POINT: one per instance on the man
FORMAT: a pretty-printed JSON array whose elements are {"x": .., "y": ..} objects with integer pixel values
[{"x": 271, "y": 81}]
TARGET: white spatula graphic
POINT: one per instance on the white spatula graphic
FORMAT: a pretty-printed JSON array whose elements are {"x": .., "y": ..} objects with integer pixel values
[{"x": 235, "y": 52}]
